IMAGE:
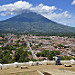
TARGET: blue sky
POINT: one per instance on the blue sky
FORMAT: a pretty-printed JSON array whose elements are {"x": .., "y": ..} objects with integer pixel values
[{"x": 61, "y": 11}]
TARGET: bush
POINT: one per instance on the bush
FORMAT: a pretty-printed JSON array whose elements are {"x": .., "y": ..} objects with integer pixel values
[{"x": 66, "y": 58}]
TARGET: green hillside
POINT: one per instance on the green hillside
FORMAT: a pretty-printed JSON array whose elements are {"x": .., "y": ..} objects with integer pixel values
[{"x": 32, "y": 22}]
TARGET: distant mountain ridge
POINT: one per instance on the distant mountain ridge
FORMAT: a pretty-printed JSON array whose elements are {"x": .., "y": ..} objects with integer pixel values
[{"x": 32, "y": 22}]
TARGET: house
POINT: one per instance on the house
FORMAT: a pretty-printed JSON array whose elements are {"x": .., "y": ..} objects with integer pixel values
[
  {"x": 1, "y": 38},
  {"x": 42, "y": 58}
]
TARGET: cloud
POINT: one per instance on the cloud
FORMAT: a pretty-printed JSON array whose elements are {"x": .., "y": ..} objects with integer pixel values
[
  {"x": 54, "y": 15},
  {"x": 43, "y": 9},
  {"x": 62, "y": 18},
  {"x": 17, "y": 7},
  {"x": 50, "y": 12},
  {"x": 69, "y": 22},
  {"x": 73, "y": 3}
]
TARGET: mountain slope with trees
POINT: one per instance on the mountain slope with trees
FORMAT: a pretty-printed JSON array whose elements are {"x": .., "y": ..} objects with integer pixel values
[{"x": 32, "y": 22}]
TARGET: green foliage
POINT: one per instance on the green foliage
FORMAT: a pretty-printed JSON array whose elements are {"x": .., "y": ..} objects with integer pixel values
[
  {"x": 66, "y": 58},
  {"x": 9, "y": 47},
  {"x": 49, "y": 54},
  {"x": 17, "y": 45},
  {"x": 33, "y": 60},
  {"x": 60, "y": 45},
  {"x": 55, "y": 46},
  {"x": 39, "y": 45},
  {"x": 20, "y": 55},
  {"x": 5, "y": 57},
  {"x": 53, "y": 53},
  {"x": 18, "y": 41},
  {"x": 3, "y": 40},
  {"x": 39, "y": 54},
  {"x": 1, "y": 43},
  {"x": 24, "y": 44},
  {"x": 6, "y": 39},
  {"x": 29, "y": 53},
  {"x": 31, "y": 45},
  {"x": 23, "y": 57},
  {"x": 45, "y": 53},
  {"x": 1, "y": 35},
  {"x": 45, "y": 38},
  {"x": 11, "y": 40}
]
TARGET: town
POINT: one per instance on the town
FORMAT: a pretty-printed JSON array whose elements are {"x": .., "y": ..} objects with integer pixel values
[{"x": 22, "y": 48}]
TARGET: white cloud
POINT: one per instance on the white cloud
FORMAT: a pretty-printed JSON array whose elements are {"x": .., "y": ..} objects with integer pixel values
[
  {"x": 45, "y": 10},
  {"x": 17, "y": 7},
  {"x": 49, "y": 12},
  {"x": 2, "y": 14},
  {"x": 62, "y": 18},
  {"x": 73, "y": 3},
  {"x": 69, "y": 22},
  {"x": 54, "y": 15}
]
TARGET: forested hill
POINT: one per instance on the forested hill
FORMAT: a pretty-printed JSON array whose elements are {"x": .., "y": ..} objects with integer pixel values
[{"x": 32, "y": 22}]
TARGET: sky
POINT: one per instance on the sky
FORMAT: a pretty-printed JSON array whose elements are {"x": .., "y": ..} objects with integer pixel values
[{"x": 60, "y": 11}]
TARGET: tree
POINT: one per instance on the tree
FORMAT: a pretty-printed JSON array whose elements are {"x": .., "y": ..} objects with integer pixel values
[
  {"x": 18, "y": 41},
  {"x": 11, "y": 40},
  {"x": 20, "y": 55},
  {"x": 31, "y": 45},
  {"x": 23, "y": 57},
  {"x": 66, "y": 58},
  {"x": 49, "y": 54},
  {"x": 16, "y": 45},
  {"x": 60, "y": 45},
  {"x": 39, "y": 54},
  {"x": 45, "y": 53},
  {"x": 5, "y": 57}
]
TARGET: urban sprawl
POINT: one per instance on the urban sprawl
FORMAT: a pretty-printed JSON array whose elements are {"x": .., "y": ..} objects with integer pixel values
[{"x": 28, "y": 47}]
